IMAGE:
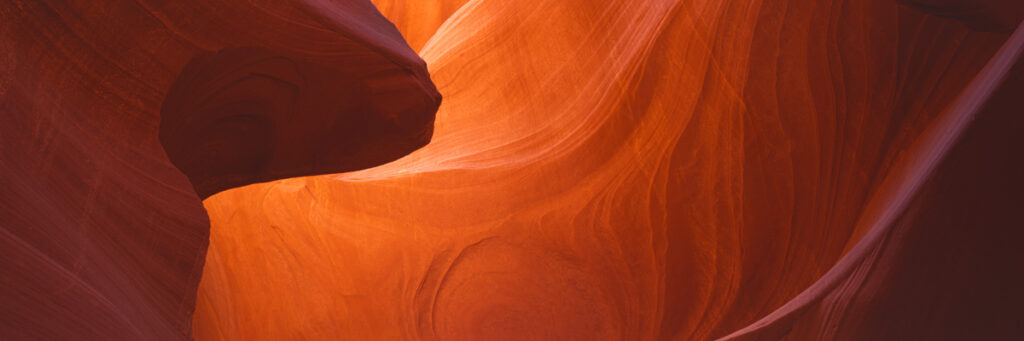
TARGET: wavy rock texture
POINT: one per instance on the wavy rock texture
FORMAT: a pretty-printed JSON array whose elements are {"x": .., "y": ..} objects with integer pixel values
[
  {"x": 653, "y": 170},
  {"x": 598, "y": 170},
  {"x": 101, "y": 238}
]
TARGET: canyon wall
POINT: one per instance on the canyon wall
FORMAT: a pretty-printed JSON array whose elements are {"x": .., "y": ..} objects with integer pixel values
[{"x": 597, "y": 170}]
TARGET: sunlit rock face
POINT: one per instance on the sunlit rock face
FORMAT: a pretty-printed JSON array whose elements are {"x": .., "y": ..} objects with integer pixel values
[
  {"x": 650, "y": 170},
  {"x": 598, "y": 170},
  {"x": 118, "y": 116}
]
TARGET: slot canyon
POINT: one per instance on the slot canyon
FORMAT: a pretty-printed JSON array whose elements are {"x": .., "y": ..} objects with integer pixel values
[{"x": 511, "y": 170}]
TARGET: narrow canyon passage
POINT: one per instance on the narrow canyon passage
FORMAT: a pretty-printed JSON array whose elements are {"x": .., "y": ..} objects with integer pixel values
[
  {"x": 603, "y": 171},
  {"x": 511, "y": 170}
]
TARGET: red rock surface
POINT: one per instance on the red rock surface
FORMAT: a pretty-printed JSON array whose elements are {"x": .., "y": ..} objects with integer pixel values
[
  {"x": 650, "y": 170},
  {"x": 246, "y": 115},
  {"x": 598, "y": 170},
  {"x": 101, "y": 237}
]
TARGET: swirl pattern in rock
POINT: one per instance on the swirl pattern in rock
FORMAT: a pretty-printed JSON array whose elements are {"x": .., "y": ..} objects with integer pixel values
[
  {"x": 599, "y": 170},
  {"x": 624, "y": 170}
]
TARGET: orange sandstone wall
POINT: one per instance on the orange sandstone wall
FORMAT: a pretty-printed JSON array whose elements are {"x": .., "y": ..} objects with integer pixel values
[
  {"x": 597, "y": 170},
  {"x": 612, "y": 170}
]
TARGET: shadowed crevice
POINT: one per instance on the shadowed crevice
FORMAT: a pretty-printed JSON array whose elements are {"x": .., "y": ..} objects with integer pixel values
[{"x": 251, "y": 114}]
